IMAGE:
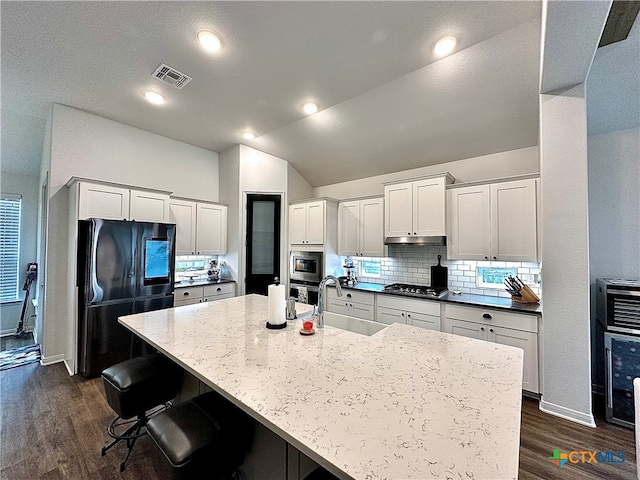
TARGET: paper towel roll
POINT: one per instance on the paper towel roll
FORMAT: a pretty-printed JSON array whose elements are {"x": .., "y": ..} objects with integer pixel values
[{"x": 277, "y": 304}]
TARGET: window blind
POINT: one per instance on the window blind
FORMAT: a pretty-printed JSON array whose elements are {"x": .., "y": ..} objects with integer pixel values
[{"x": 10, "y": 211}]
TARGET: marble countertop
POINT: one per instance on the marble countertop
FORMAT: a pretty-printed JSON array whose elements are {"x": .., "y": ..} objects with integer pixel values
[
  {"x": 201, "y": 281},
  {"x": 463, "y": 298},
  {"x": 405, "y": 403}
]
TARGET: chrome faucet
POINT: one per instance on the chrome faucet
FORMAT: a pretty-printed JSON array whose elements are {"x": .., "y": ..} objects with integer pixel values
[{"x": 325, "y": 280}]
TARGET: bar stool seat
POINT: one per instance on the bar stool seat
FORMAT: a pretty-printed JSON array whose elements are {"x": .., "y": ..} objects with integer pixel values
[
  {"x": 132, "y": 388},
  {"x": 204, "y": 434}
]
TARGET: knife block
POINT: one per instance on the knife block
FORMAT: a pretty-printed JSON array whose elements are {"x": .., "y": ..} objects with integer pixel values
[{"x": 527, "y": 296}]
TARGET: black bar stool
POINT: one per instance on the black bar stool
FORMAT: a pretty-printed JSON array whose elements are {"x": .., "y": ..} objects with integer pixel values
[
  {"x": 321, "y": 474},
  {"x": 132, "y": 388},
  {"x": 206, "y": 434}
]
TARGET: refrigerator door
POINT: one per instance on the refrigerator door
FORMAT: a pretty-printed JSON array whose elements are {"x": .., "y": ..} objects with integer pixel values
[
  {"x": 108, "y": 259},
  {"x": 155, "y": 264},
  {"x": 150, "y": 304},
  {"x": 103, "y": 341}
]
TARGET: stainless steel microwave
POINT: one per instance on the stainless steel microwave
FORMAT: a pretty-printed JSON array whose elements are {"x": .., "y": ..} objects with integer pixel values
[{"x": 306, "y": 267}]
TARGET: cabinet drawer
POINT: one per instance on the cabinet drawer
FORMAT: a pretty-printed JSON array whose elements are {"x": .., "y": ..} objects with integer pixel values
[
  {"x": 219, "y": 289},
  {"x": 427, "y": 307},
  {"x": 518, "y": 321},
  {"x": 187, "y": 293},
  {"x": 213, "y": 298},
  {"x": 390, "y": 315},
  {"x": 349, "y": 296},
  {"x": 362, "y": 310},
  {"x": 189, "y": 301},
  {"x": 430, "y": 322}
]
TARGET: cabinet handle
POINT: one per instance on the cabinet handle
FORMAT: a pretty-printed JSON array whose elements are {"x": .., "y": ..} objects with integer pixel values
[
  {"x": 487, "y": 315},
  {"x": 408, "y": 315},
  {"x": 408, "y": 233},
  {"x": 491, "y": 330},
  {"x": 348, "y": 295},
  {"x": 494, "y": 258},
  {"x": 402, "y": 314},
  {"x": 186, "y": 294},
  {"x": 351, "y": 304},
  {"x": 482, "y": 328},
  {"x": 218, "y": 289},
  {"x": 485, "y": 257},
  {"x": 415, "y": 233}
]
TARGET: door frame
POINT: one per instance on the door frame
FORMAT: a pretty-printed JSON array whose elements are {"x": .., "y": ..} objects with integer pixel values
[{"x": 283, "y": 231}]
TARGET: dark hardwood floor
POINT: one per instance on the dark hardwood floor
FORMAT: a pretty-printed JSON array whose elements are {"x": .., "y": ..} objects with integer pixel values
[{"x": 53, "y": 427}]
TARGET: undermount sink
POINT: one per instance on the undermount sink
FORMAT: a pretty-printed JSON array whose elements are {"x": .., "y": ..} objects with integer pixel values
[{"x": 352, "y": 324}]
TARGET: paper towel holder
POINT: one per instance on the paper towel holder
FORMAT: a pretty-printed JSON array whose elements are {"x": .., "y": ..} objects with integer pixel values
[{"x": 276, "y": 326}]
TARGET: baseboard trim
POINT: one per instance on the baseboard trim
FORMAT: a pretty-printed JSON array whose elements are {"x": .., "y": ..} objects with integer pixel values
[
  {"x": 70, "y": 370},
  {"x": 568, "y": 414},
  {"x": 51, "y": 360}
]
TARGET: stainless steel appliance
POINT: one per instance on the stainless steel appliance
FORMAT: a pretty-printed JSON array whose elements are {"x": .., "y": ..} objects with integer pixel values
[
  {"x": 617, "y": 339},
  {"x": 420, "y": 291},
  {"x": 622, "y": 353},
  {"x": 306, "y": 267},
  {"x": 123, "y": 268}
]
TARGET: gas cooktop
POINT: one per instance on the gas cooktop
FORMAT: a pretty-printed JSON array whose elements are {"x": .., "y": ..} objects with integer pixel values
[{"x": 421, "y": 291}]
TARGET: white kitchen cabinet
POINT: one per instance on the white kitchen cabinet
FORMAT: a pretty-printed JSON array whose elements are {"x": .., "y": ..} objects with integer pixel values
[
  {"x": 505, "y": 328},
  {"x": 352, "y": 303},
  {"x": 203, "y": 293},
  {"x": 307, "y": 223},
  {"x": 416, "y": 208},
  {"x": 360, "y": 227},
  {"x": 113, "y": 202},
  {"x": 201, "y": 228},
  {"x": 419, "y": 313},
  {"x": 493, "y": 222}
]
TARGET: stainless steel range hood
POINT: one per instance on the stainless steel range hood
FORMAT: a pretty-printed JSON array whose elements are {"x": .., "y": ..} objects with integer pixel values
[{"x": 415, "y": 240}]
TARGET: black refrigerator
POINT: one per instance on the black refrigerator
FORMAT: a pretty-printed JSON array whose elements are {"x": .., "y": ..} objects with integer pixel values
[{"x": 123, "y": 268}]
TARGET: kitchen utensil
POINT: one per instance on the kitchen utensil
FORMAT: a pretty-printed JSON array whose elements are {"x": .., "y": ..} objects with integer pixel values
[
  {"x": 291, "y": 308},
  {"x": 439, "y": 275}
]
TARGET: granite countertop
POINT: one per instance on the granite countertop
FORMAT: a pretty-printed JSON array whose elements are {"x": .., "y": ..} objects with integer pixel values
[
  {"x": 463, "y": 298},
  {"x": 405, "y": 403},
  {"x": 201, "y": 281}
]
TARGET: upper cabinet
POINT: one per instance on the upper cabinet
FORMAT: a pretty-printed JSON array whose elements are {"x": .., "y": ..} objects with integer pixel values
[
  {"x": 496, "y": 221},
  {"x": 201, "y": 227},
  {"x": 112, "y": 202},
  {"x": 416, "y": 208},
  {"x": 360, "y": 227},
  {"x": 307, "y": 223}
]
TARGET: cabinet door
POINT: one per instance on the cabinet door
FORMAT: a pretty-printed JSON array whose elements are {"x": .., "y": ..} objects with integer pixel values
[
  {"x": 315, "y": 223},
  {"x": 390, "y": 315},
  {"x": 465, "y": 329},
  {"x": 149, "y": 206},
  {"x": 529, "y": 343},
  {"x": 338, "y": 306},
  {"x": 211, "y": 229},
  {"x": 361, "y": 310},
  {"x": 398, "y": 207},
  {"x": 470, "y": 235},
  {"x": 103, "y": 201},
  {"x": 183, "y": 214},
  {"x": 513, "y": 221},
  {"x": 372, "y": 227},
  {"x": 298, "y": 223},
  {"x": 429, "y": 207},
  {"x": 430, "y": 322},
  {"x": 349, "y": 228}
]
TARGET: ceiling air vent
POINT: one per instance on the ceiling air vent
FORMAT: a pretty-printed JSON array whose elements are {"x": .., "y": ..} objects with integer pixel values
[{"x": 171, "y": 76}]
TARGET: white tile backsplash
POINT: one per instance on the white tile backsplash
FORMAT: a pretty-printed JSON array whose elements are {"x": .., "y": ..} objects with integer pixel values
[{"x": 412, "y": 264}]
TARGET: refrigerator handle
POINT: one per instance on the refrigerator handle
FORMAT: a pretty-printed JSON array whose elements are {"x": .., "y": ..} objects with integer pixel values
[{"x": 610, "y": 386}]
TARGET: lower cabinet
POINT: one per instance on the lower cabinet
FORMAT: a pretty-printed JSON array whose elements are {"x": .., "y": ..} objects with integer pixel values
[
  {"x": 513, "y": 329},
  {"x": 203, "y": 293},
  {"x": 419, "y": 313},
  {"x": 352, "y": 303}
]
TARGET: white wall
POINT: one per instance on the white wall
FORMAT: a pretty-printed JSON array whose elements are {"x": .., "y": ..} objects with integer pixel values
[
  {"x": 297, "y": 187},
  {"x": 84, "y": 145},
  {"x": 565, "y": 339},
  {"x": 27, "y": 187},
  {"x": 505, "y": 164},
  {"x": 230, "y": 194},
  {"x": 614, "y": 205}
]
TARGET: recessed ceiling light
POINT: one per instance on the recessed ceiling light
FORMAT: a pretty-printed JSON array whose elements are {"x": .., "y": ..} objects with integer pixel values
[
  {"x": 209, "y": 41},
  {"x": 310, "y": 108},
  {"x": 153, "y": 97},
  {"x": 248, "y": 135},
  {"x": 444, "y": 46}
]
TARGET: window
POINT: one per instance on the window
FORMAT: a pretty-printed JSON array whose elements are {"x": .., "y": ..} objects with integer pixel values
[{"x": 10, "y": 207}]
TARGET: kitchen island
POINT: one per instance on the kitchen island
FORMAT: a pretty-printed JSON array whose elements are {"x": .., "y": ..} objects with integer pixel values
[{"x": 403, "y": 403}]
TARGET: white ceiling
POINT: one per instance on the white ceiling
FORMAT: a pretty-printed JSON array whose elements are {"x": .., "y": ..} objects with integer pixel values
[{"x": 387, "y": 103}]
